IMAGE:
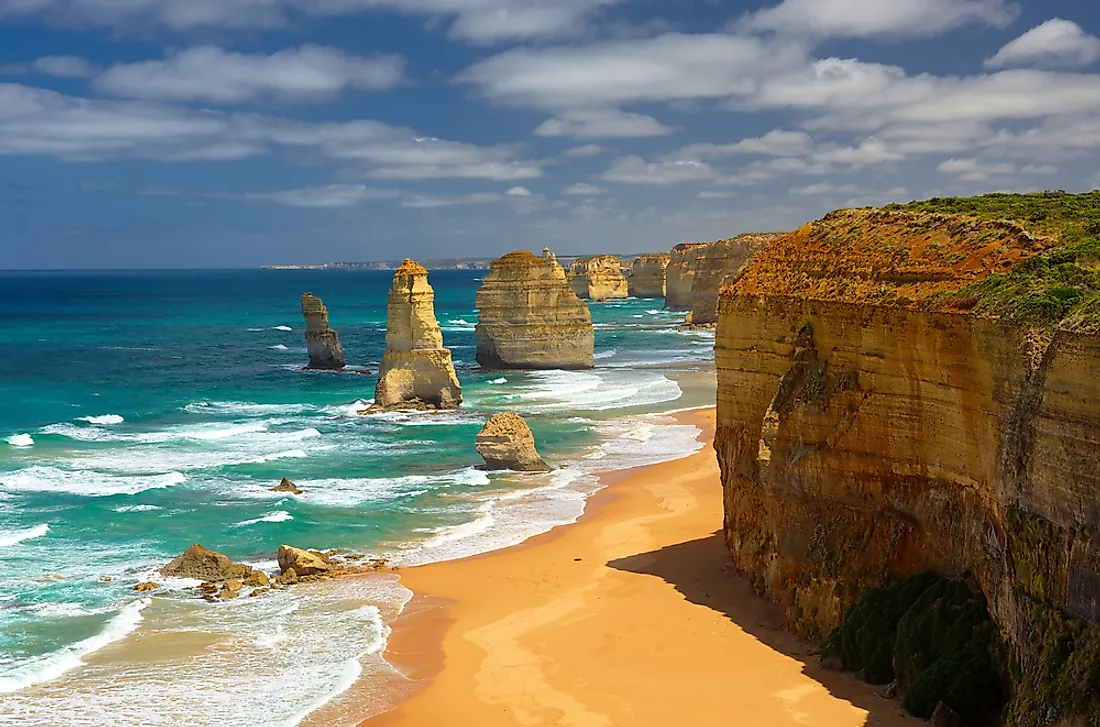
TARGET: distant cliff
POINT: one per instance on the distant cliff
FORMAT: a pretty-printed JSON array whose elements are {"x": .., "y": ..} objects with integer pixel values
[
  {"x": 918, "y": 389},
  {"x": 680, "y": 275},
  {"x": 598, "y": 278},
  {"x": 647, "y": 277},
  {"x": 717, "y": 262}
]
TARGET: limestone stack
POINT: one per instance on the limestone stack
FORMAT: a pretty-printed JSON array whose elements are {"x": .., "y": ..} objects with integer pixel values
[
  {"x": 417, "y": 372},
  {"x": 325, "y": 351},
  {"x": 719, "y": 261},
  {"x": 598, "y": 278},
  {"x": 551, "y": 258},
  {"x": 506, "y": 443},
  {"x": 647, "y": 277},
  {"x": 882, "y": 414},
  {"x": 680, "y": 275},
  {"x": 530, "y": 318}
]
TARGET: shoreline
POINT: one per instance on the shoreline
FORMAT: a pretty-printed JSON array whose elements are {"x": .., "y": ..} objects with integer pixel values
[{"x": 630, "y": 615}]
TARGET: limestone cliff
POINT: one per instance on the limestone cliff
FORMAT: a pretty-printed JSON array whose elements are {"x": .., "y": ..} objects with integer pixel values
[
  {"x": 529, "y": 317},
  {"x": 647, "y": 276},
  {"x": 325, "y": 351},
  {"x": 715, "y": 264},
  {"x": 506, "y": 443},
  {"x": 416, "y": 370},
  {"x": 903, "y": 390},
  {"x": 598, "y": 278},
  {"x": 680, "y": 275}
]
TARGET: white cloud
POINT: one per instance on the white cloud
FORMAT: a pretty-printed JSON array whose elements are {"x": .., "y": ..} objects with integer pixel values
[
  {"x": 635, "y": 170},
  {"x": 518, "y": 192},
  {"x": 39, "y": 122},
  {"x": 588, "y": 150},
  {"x": 602, "y": 124},
  {"x": 873, "y": 18},
  {"x": 330, "y": 196},
  {"x": 775, "y": 143},
  {"x": 480, "y": 21},
  {"x": 870, "y": 151},
  {"x": 64, "y": 67},
  {"x": 669, "y": 67},
  {"x": 1039, "y": 169},
  {"x": 1055, "y": 43},
  {"x": 427, "y": 201},
  {"x": 583, "y": 189},
  {"x": 209, "y": 73},
  {"x": 716, "y": 194},
  {"x": 975, "y": 170},
  {"x": 826, "y": 188}
]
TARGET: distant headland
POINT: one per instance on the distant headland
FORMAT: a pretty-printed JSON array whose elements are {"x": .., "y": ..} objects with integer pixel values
[{"x": 472, "y": 263}]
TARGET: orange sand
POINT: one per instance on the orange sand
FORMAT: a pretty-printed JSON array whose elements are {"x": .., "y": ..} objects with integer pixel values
[{"x": 629, "y": 617}]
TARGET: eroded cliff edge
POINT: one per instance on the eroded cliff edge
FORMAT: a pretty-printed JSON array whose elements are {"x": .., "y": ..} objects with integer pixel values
[
  {"x": 918, "y": 388},
  {"x": 717, "y": 262}
]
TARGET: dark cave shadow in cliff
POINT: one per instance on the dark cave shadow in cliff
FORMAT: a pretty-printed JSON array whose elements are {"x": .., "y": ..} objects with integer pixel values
[{"x": 701, "y": 570}]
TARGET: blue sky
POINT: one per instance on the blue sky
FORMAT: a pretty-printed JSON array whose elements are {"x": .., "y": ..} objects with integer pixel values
[{"x": 229, "y": 133}]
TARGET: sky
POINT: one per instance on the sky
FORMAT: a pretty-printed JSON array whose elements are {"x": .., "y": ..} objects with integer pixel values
[{"x": 239, "y": 133}]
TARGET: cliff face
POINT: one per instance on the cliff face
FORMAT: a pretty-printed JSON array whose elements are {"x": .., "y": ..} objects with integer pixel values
[
  {"x": 416, "y": 369},
  {"x": 874, "y": 423},
  {"x": 325, "y": 351},
  {"x": 680, "y": 275},
  {"x": 647, "y": 277},
  {"x": 598, "y": 278},
  {"x": 530, "y": 318},
  {"x": 717, "y": 262}
]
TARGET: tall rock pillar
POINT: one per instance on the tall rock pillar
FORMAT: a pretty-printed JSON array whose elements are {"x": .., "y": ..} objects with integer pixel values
[{"x": 325, "y": 351}]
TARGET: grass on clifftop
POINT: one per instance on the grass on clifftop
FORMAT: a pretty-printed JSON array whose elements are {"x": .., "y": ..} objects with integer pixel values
[{"x": 1059, "y": 286}]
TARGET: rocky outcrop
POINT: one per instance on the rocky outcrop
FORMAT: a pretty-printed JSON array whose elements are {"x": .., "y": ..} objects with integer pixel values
[
  {"x": 680, "y": 275},
  {"x": 647, "y": 276},
  {"x": 325, "y": 351},
  {"x": 303, "y": 562},
  {"x": 598, "y": 278},
  {"x": 203, "y": 564},
  {"x": 506, "y": 443},
  {"x": 717, "y": 262},
  {"x": 902, "y": 391},
  {"x": 287, "y": 486},
  {"x": 549, "y": 256},
  {"x": 416, "y": 371},
  {"x": 530, "y": 318}
]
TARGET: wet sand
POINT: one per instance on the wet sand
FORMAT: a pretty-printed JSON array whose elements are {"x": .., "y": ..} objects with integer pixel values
[{"x": 632, "y": 616}]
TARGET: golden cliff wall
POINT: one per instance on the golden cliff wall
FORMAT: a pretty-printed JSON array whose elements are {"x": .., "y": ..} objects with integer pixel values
[
  {"x": 598, "y": 278},
  {"x": 864, "y": 435},
  {"x": 529, "y": 317},
  {"x": 680, "y": 275},
  {"x": 647, "y": 277},
  {"x": 717, "y": 262}
]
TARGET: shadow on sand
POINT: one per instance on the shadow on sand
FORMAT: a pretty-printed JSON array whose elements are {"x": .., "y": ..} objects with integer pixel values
[{"x": 701, "y": 570}]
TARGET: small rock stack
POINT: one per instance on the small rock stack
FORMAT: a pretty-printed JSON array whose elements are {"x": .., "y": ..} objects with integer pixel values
[{"x": 325, "y": 351}]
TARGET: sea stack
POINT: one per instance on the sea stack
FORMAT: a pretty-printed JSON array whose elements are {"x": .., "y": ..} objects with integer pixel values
[
  {"x": 417, "y": 372},
  {"x": 647, "y": 276},
  {"x": 530, "y": 318},
  {"x": 506, "y": 443},
  {"x": 721, "y": 262},
  {"x": 551, "y": 258},
  {"x": 325, "y": 351},
  {"x": 680, "y": 275},
  {"x": 598, "y": 278}
]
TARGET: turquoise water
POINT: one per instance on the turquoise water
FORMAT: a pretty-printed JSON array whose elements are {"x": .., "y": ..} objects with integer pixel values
[{"x": 147, "y": 411}]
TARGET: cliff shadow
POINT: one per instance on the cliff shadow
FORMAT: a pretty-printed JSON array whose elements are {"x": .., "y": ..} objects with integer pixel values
[{"x": 702, "y": 572}]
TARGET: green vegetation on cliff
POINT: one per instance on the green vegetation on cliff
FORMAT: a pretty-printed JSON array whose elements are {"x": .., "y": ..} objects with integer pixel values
[
  {"x": 1058, "y": 286},
  {"x": 934, "y": 636}
]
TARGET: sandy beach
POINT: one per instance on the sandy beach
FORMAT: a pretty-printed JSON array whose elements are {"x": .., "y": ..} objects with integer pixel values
[{"x": 631, "y": 616}]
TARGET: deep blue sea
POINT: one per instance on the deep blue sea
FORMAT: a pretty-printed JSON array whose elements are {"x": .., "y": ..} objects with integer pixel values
[{"x": 145, "y": 411}]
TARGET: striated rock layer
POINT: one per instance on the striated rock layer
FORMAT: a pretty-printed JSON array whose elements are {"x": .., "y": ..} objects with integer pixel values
[
  {"x": 647, "y": 276},
  {"x": 506, "y": 443},
  {"x": 529, "y": 317},
  {"x": 717, "y": 262},
  {"x": 874, "y": 423},
  {"x": 325, "y": 351},
  {"x": 680, "y": 275},
  {"x": 416, "y": 370},
  {"x": 598, "y": 278}
]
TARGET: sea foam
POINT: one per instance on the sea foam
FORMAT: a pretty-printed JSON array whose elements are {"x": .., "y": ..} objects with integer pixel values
[
  {"x": 14, "y": 537},
  {"x": 280, "y": 516},
  {"x": 20, "y": 440},
  {"x": 103, "y": 420},
  {"x": 40, "y": 478}
]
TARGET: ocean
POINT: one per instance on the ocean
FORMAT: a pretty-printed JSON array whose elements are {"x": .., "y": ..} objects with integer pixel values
[{"x": 146, "y": 411}]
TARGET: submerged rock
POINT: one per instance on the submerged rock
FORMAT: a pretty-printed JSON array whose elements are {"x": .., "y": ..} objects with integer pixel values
[
  {"x": 325, "y": 351},
  {"x": 203, "y": 564},
  {"x": 301, "y": 562},
  {"x": 506, "y": 443},
  {"x": 530, "y": 318},
  {"x": 598, "y": 278},
  {"x": 146, "y": 587},
  {"x": 417, "y": 372},
  {"x": 647, "y": 277},
  {"x": 286, "y": 486}
]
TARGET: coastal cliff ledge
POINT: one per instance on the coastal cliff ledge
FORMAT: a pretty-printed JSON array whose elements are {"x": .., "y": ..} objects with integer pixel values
[{"x": 917, "y": 388}]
